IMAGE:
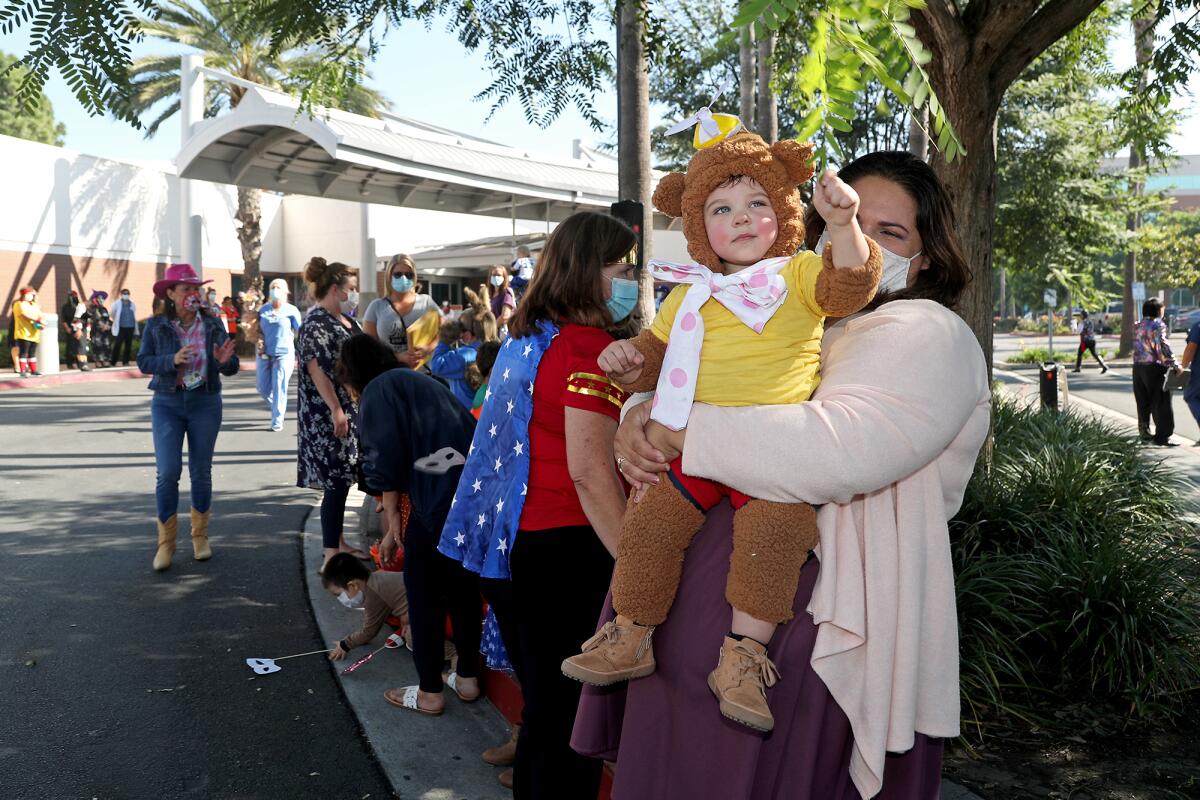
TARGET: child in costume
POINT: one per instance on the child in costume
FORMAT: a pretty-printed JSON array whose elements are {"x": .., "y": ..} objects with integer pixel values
[{"x": 743, "y": 328}]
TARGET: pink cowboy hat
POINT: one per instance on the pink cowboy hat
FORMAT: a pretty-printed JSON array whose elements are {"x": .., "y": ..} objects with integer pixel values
[{"x": 177, "y": 273}]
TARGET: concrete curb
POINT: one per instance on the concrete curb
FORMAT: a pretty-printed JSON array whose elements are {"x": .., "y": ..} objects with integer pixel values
[{"x": 432, "y": 758}]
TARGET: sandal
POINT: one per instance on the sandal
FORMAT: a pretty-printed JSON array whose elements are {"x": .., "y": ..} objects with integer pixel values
[
  {"x": 452, "y": 682},
  {"x": 407, "y": 698}
]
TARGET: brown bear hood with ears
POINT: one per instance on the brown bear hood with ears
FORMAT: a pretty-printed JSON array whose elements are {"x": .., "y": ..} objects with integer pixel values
[{"x": 778, "y": 168}]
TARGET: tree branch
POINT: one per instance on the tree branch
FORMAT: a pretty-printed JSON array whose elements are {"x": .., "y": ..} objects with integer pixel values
[
  {"x": 1047, "y": 26},
  {"x": 940, "y": 28}
]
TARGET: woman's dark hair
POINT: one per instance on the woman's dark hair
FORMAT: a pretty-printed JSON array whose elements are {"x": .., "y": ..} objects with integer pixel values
[
  {"x": 322, "y": 276},
  {"x": 566, "y": 285},
  {"x": 1152, "y": 308},
  {"x": 363, "y": 359},
  {"x": 342, "y": 569},
  {"x": 947, "y": 274}
]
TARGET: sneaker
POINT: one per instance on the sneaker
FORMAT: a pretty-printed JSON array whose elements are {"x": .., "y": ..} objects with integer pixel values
[
  {"x": 1103, "y": 370},
  {"x": 740, "y": 683},
  {"x": 620, "y": 651},
  {"x": 24, "y": 374}
]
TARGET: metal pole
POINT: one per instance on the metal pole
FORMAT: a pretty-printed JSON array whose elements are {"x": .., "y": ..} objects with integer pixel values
[
  {"x": 191, "y": 111},
  {"x": 1050, "y": 325}
]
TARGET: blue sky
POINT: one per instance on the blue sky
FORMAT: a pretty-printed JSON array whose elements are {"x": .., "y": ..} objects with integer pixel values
[{"x": 429, "y": 77}]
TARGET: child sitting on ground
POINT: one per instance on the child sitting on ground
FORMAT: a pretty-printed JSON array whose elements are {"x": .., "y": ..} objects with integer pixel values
[
  {"x": 380, "y": 594},
  {"x": 743, "y": 328}
]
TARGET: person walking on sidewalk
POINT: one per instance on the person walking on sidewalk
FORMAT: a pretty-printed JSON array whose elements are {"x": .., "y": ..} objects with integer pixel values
[
  {"x": 27, "y": 330},
  {"x": 1087, "y": 342},
  {"x": 278, "y": 323},
  {"x": 1152, "y": 359},
  {"x": 326, "y": 417},
  {"x": 125, "y": 327},
  {"x": 186, "y": 351},
  {"x": 1191, "y": 394}
]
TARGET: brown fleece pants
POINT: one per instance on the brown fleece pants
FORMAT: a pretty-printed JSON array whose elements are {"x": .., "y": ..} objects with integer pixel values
[{"x": 770, "y": 544}]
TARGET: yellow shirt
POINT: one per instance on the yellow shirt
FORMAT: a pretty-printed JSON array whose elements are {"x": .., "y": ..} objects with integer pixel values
[
  {"x": 739, "y": 367},
  {"x": 25, "y": 315}
]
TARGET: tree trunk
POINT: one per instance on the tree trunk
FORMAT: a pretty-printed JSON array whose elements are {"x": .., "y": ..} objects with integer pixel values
[
  {"x": 767, "y": 105},
  {"x": 971, "y": 183},
  {"x": 1143, "y": 42},
  {"x": 633, "y": 135},
  {"x": 918, "y": 133},
  {"x": 746, "y": 76},
  {"x": 249, "y": 214}
]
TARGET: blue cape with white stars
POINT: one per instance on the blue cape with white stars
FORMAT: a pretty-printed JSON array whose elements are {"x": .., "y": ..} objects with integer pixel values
[{"x": 482, "y": 526}]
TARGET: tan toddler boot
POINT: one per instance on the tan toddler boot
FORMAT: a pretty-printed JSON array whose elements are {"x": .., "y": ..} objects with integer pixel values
[
  {"x": 505, "y": 754},
  {"x": 200, "y": 549},
  {"x": 621, "y": 651},
  {"x": 740, "y": 682},
  {"x": 166, "y": 543}
]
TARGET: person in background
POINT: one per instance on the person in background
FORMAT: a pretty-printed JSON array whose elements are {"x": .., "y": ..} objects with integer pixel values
[
  {"x": 454, "y": 363},
  {"x": 186, "y": 350},
  {"x": 27, "y": 331},
  {"x": 66, "y": 319},
  {"x": 483, "y": 365},
  {"x": 232, "y": 314},
  {"x": 102, "y": 324},
  {"x": 404, "y": 319},
  {"x": 450, "y": 360},
  {"x": 501, "y": 298},
  {"x": 415, "y": 436},
  {"x": 1191, "y": 393},
  {"x": 327, "y": 433},
  {"x": 521, "y": 270},
  {"x": 1087, "y": 343},
  {"x": 123, "y": 316},
  {"x": 210, "y": 302},
  {"x": 278, "y": 323},
  {"x": 539, "y": 506},
  {"x": 1152, "y": 359}
]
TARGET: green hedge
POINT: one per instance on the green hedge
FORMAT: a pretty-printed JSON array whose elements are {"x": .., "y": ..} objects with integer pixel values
[
  {"x": 1075, "y": 580},
  {"x": 1040, "y": 355}
]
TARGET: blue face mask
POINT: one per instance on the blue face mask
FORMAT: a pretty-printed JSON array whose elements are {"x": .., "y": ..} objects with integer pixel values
[
  {"x": 402, "y": 283},
  {"x": 624, "y": 298},
  {"x": 496, "y": 280}
]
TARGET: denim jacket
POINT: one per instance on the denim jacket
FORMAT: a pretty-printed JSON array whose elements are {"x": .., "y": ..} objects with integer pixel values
[{"x": 157, "y": 354}]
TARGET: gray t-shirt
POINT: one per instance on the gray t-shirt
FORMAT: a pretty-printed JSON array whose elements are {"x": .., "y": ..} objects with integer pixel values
[{"x": 388, "y": 325}]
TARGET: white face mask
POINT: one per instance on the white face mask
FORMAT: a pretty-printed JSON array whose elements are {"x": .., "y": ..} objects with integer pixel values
[
  {"x": 351, "y": 300},
  {"x": 497, "y": 280},
  {"x": 895, "y": 267},
  {"x": 351, "y": 602}
]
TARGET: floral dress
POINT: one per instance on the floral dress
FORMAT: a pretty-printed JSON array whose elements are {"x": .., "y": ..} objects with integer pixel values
[{"x": 324, "y": 461}]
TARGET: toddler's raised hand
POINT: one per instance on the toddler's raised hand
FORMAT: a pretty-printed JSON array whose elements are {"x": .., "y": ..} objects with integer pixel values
[
  {"x": 621, "y": 361},
  {"x": 834, "y": 200}
]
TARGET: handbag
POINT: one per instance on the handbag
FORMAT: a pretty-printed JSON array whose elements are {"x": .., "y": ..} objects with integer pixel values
[{"x": 1173, "y": 380}]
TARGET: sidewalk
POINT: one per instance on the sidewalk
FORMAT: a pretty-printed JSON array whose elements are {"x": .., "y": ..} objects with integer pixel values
[
  {"x": 10, "y": 380},
  {"x": 426, "y": 757}
]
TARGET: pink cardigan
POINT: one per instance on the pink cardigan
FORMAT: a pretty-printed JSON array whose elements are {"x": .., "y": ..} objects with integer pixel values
[{"x": 888, "y": 443}]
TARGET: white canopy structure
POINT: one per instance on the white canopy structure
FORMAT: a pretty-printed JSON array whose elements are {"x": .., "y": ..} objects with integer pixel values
[{"x": 267, "y": 143}]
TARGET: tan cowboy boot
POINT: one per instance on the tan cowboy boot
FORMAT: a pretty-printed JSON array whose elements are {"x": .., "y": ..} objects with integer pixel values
[
  {"x": 503, "y": 755},
  {"x": 166, "y": 543},
  {"x": 200, "y": 549},
  {"x": 740, "y": 682},
  {"x": 621, "y": 651}
]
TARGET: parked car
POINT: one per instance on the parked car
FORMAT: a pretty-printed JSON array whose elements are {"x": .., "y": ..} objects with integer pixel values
[
  {"x": 1111, "y": 311},
  {"x": 1185, "y": 319}
]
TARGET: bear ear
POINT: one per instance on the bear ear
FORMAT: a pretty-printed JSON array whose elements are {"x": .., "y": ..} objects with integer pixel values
[
  {"x": 668, "y": 195},
  {"x": 797, "y": 158}
]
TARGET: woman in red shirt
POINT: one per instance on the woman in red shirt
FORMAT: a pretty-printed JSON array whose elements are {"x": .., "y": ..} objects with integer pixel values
[{"x": 539, "y": 500}]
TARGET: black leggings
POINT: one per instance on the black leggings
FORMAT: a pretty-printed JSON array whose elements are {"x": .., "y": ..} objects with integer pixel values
[
  {"x": 499, "y": 594},
  {"x": 560, "y": 577},
  {"x": 438, "y": 585},
  {"x": 333, "y": 515},
  {"x": 26, "y": 348}
]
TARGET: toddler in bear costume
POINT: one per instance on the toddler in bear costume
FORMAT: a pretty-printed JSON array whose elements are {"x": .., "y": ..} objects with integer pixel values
[{"x": 743, "y": 327}]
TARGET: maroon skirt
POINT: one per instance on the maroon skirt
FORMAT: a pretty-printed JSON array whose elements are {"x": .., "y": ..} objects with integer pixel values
[{"x": 668, "y": 737}]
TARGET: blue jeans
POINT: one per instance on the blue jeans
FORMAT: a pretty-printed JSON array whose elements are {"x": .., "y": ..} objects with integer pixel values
[
  {"x": 172, "y": 415},
  {"x": 271, "y": 380}
]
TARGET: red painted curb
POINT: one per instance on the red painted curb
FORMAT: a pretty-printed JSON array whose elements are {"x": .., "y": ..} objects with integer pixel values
[{"x": 107, "y": 374}]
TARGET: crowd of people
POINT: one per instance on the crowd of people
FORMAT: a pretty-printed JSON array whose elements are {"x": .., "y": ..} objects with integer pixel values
[{"x": 715, "y": 553}]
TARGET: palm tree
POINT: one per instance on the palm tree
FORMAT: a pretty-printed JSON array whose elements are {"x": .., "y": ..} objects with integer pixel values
[{"x": 234, "y": 39}]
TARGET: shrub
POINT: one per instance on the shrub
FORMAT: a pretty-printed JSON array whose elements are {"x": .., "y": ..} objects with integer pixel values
[
  {"x": 1005, "y": 325},
  {"x": 1074, "y": 580},
  {"x": 1039, "y": 325},
  {"x": 1040, "y": 355}
]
